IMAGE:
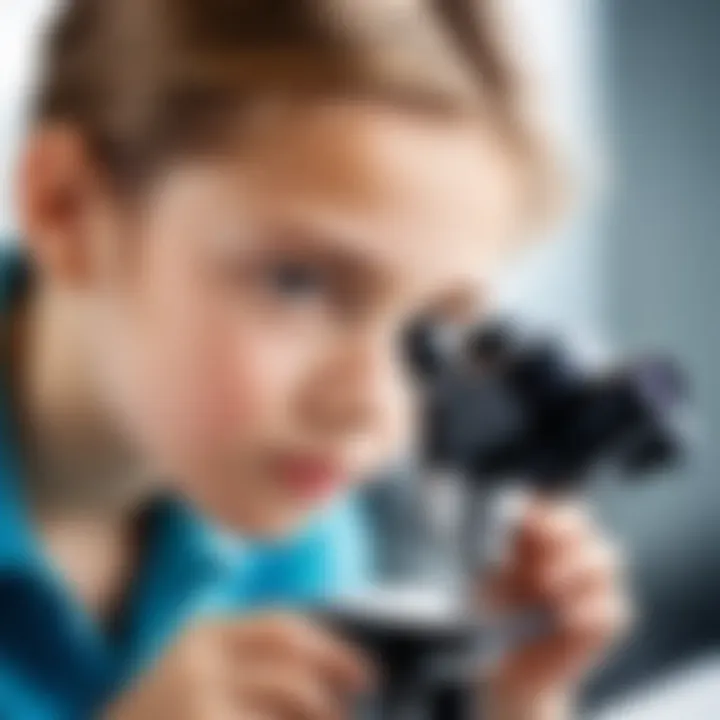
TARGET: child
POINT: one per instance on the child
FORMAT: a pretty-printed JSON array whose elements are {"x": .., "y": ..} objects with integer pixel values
[{"x": 230, "y": 213}]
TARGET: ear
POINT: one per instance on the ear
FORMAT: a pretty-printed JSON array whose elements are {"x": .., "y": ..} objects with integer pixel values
[{"x": 58, "y": 189}]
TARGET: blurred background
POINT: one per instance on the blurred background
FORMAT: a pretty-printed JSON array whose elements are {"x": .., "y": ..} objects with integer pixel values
[{"x": 636, "y": 84}]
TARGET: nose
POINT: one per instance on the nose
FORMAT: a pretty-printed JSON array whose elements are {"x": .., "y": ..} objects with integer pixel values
[{"x": 361, "y": 387}]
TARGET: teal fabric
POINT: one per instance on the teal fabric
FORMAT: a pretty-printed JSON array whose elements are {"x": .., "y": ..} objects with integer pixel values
[{"x": 55, "y": 662}]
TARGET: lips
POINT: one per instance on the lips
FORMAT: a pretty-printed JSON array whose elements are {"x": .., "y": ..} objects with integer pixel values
[{"x": 310, "y": 477}]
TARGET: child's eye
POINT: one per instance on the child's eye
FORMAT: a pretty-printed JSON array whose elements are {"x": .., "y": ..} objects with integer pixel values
[{"x": 296, "y": 280}]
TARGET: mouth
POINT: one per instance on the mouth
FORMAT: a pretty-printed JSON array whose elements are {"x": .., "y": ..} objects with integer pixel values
[{"x": 310, "y": 477}]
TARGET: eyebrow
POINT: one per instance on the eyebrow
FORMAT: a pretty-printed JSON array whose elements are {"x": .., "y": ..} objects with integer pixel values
[{"x": 339, "y": 250}]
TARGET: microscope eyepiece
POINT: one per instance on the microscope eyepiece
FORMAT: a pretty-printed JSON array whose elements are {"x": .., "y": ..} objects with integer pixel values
[{"x": 530, "y": 410}]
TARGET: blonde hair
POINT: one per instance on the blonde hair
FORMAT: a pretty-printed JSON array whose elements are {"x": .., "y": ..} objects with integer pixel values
[{"x": 145, "y": 80}]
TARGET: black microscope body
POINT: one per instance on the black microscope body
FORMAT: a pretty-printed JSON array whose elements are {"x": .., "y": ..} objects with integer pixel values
[{"x": 498, "y": 407}]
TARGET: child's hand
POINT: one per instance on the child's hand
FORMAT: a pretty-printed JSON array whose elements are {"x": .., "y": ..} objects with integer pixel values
[
  {"x": 268, "y": 667},
  {"x": 562, "y": 563}
]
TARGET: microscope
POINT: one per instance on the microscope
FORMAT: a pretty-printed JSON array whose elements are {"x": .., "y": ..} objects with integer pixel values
[{"x": 496, "y": 407}]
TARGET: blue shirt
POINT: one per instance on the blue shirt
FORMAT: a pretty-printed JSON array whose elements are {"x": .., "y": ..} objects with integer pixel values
[{"x": 57, "y": 662}]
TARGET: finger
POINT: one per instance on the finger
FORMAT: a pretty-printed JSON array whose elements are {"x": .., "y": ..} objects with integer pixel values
[
  {"x": 553, "y": 527},
  {"x": 544, "y": 531},
  {"x": 548, "y": 538},
  {"x": 288, "y": 691},
  {"x": 545, "y": 537},
  {"x": 589, "y": 629},
  {"x": 572, "y": 573},
  {"x": 574, "y": 645},
  {"x": 581, "y": 571},
  {"x": 302, "y": 641},
  {"x": 597, "y": 619},
  {"x": 505, "y": 585}
]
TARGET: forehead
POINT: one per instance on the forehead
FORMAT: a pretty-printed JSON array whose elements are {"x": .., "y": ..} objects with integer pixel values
[
  {"x": 425, "y": 183},
  {"x": 426, "y": 196}
]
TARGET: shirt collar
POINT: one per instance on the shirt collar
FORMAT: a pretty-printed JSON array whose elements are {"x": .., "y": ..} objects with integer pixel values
[
  {"x": 17, "y": 545},
  {"x": 191, "y": 545}
]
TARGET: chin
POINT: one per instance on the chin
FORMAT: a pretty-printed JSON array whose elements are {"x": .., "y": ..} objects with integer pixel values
[{"x": 261, "y": 525}]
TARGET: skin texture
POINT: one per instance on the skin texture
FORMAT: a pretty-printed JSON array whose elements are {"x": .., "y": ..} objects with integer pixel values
[
  {"x": 559, "y": 561},
  {"x": 237, "y": 329},
  {"x": 276, "y": 666},
  {"x": 212, "y": 369}
]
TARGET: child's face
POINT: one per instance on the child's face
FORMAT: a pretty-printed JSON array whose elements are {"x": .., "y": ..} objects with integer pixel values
[{"x": 253, "y": 350}]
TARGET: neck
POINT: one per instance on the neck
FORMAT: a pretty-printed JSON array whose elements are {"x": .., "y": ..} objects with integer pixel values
[{"x": 77, "y": 463}]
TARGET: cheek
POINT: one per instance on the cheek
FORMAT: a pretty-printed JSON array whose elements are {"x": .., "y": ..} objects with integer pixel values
[
  {"x": 208, "y": 388},
  {"x": 400, "y": 427},
  {"x": 189, "y": 382},
  {"x": 394, "y": 433}
]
